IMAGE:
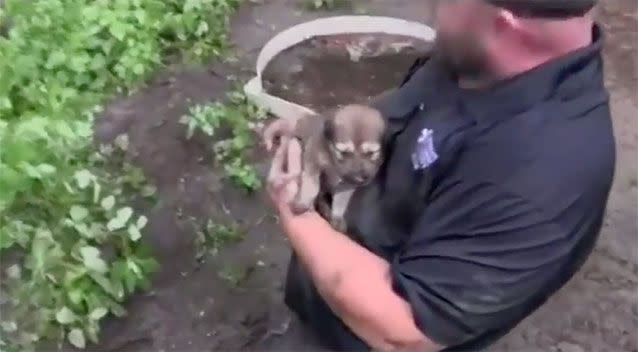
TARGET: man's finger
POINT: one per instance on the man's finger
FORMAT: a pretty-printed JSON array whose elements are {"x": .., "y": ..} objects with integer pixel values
[
  {"x": 283, "y": 180},
  {"x": 294, "y": 157},
  {"x": 268, "y": 143},
  {"x": 278, "y": 162},
  {"x": 274, "y": 130},
  {"x": 268, "y": 137}
]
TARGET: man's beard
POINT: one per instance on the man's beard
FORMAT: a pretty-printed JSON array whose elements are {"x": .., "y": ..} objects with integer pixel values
[{"x": 463, "y": 57}]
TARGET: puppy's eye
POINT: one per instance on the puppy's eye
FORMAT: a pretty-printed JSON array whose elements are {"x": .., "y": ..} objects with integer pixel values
[
  {"x": 373, "y": 155},
  {"x": 342, "y": 150},
  {"x": 371, "y": 150},
  {"x": 340, "y": 154}
]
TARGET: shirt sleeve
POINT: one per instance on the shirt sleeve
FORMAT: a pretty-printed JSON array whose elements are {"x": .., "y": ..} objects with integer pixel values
[{"x": 476, "y": 261}]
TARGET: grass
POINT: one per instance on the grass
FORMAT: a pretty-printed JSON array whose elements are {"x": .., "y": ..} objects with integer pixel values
[{"x": 69, "y": 238}]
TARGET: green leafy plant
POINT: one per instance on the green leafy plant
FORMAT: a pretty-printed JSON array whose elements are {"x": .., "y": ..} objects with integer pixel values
[
  {"x": 211, "y": 237},
  {"x": 235, "y": 275},
  {"x": 82, "y": 247},
  {"x": 238, "y": 116},
  {"x": 65, "y": 215},
  {"x": 197, "y": 28}
]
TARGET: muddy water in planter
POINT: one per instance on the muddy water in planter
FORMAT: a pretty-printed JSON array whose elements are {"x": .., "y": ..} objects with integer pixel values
[{"x": 320, "y": 73}]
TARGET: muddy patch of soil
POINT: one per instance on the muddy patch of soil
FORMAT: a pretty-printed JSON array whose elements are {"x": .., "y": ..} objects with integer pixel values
[
  {"x": 231, "y": 299},
  {"x": 327, "y": 71},
  {"x": 619, "y": 19}
]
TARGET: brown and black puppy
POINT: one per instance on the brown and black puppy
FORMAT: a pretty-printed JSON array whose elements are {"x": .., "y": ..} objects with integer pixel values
[{"x": 341, "y": 151}]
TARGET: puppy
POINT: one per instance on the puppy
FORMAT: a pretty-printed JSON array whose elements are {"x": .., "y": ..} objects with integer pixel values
[{"x": 341, "y": 152}]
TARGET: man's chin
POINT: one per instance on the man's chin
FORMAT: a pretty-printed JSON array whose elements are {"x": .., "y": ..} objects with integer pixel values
[
  {"x": 461, "y": 63},
  {"x": 444, "y": 56}
]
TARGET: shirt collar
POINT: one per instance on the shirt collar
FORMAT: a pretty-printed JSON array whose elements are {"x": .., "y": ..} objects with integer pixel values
[{"x": 564, "y": 77}]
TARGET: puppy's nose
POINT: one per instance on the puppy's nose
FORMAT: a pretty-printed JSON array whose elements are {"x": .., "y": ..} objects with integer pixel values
[{"x": 361, "y": 178}]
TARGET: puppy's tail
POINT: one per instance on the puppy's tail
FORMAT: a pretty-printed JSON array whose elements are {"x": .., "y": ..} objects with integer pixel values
[{"x": 275, "y": 131}]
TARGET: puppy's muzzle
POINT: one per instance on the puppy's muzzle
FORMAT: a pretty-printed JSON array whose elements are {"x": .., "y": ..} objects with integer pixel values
[{"x": 358, "y": 179}]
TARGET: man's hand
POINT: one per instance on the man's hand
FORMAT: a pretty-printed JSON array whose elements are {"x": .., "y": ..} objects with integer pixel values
[
  {"x": 278, "y": 130},
  {"x": 283, "y": 178}
]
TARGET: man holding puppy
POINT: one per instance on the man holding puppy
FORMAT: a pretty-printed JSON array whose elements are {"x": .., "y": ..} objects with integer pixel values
[{"x": 500, "y": 158}]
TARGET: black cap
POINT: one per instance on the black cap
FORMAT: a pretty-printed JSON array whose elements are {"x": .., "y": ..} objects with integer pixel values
[{"x": 546, "y": 8}]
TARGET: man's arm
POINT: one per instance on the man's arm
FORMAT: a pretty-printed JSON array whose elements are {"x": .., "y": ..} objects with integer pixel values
[
  {"x": 356, "y": 284},
  {"x": 477, "y": 260},
  {"x": 314, "y": 240}
]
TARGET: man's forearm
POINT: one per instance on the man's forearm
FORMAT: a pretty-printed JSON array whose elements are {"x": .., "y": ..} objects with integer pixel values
[
  {"x": 353, "y": 281},
  {"x": 327, "y": 254},
  {"x": 334, "y": 261}
]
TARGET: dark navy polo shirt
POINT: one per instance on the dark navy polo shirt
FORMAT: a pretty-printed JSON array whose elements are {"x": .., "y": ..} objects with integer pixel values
[{"x": 488, "y": 202}]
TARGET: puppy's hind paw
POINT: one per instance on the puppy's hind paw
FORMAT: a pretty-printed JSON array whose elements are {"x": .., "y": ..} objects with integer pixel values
[{"x": 339, "y": 224}]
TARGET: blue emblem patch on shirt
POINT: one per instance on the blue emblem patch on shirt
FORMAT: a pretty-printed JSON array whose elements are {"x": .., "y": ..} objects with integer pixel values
[{"x": 424, "y": 154}]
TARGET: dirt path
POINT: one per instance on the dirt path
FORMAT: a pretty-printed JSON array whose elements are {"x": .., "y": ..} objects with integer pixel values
[{"x": 194, "y": 308}]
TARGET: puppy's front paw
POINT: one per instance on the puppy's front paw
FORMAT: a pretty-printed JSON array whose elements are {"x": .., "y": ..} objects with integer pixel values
[
  {"x": 339, "y": 224},
  {"x": 323, "y": 208}
]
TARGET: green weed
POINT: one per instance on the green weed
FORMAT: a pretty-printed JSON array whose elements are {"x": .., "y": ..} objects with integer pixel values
[
  {"x": 235, "y": 275},
  {"x": 63, "y": 212},
  {"x": 237, "y": 116},
  {"x": 212, "y": 237},
  {"x": 81, "y": 242}
]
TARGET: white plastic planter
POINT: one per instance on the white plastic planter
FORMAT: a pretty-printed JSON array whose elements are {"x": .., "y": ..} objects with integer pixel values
[{"x": 322, "y": 27}]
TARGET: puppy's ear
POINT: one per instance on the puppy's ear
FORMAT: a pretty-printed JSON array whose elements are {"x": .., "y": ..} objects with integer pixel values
[{"x": 328, "y": 127}]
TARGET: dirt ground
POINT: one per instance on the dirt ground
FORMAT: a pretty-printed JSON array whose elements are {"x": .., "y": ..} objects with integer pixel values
[{"x": 194, "y": 308}]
